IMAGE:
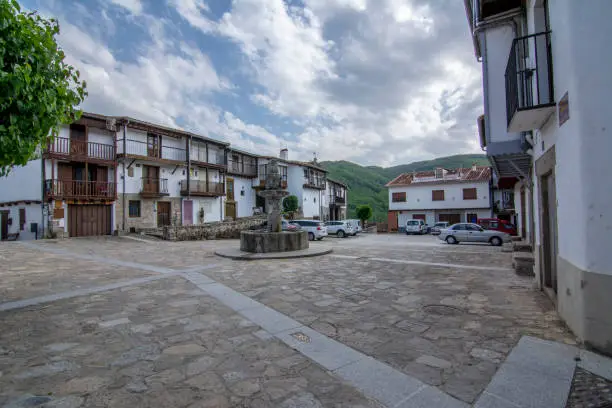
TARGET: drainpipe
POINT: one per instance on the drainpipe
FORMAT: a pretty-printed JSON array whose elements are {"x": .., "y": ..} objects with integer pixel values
[{"x": 124, "y": 175}]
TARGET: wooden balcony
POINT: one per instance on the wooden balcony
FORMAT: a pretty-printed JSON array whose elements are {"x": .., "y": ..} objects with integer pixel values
[
  {"x": 316, "y": 183},
  {"x": 336, "y": 199},
  {"x": 135, "y": 149},
  {"x": 262, "y": 182},
  {"x": 214, "y": 160},
  {"x": 79, "y": 190},
  {"x": 241, "y": 169},
  {"x": 80, "y": 150},
  {"x": 152, "y": 187},
  {"x": 202, "y": 188}
]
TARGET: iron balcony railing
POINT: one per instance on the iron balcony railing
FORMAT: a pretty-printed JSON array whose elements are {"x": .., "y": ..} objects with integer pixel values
[
  {"x": 241, "y": 168},
  {"x": 529, "y": 75},
  {"x": 79, "y": 189},
  {"x": 202, "y": 187},
  {"x": 153, "y": 151},
  {"x": 154, "y": 186},
  {"x": 318, "y": 182},
  {"x": 263, "y": 176},
  {"x": 336, "y": 199},
  {"x": 80, "y": 149}
]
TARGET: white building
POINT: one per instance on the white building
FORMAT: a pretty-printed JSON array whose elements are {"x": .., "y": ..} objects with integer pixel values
[
  {"x": 241, "y": 199},
  {"x": 167, "y": 176},
  {"x": 459, "y": 195},
  {"x": 546, "y": 87},
  {"x": 305, "y": 180}
]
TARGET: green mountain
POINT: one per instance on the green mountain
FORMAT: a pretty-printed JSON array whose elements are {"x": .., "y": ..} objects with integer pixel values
[{"x": 367, "y": 184}]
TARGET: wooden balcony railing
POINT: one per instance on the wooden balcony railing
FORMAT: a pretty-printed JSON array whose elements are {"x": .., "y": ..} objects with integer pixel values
[
  {"x": 315, "y": 182},
  {"x": 80, "y": 190},
  {"x": 336, "y": 199},
  {"x": 155, "y": 152},
  {"x": 152, "y": 186},
  {"x": 80, "y": 150},
  {"x": 242, "y": 168},
  {"x": 202, "y": 187}
]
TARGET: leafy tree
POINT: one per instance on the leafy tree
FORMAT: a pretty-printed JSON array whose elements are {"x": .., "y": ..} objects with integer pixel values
[
  {"x": 290, "y": 204},
  {"x": 38, "y": 90},
  {"x": 364, "y": 213}
]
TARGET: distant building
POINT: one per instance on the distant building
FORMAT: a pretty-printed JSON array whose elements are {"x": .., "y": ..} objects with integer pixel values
[
  {"x": 453, "y": 195},
  {"x": 337, "y": 197}
]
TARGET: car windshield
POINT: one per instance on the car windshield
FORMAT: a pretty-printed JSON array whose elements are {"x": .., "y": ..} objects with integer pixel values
[{"x": 413, "y": 222}]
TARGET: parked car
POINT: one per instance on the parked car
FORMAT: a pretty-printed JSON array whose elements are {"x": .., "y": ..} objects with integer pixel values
[
  {"x": 289, "y": 226},
  {"x": 316, "y": 229},
  {"x": 415, "y": 227},
  {"x": 497, "y": 225},
  {"x": 356, "y": 226},
  {"x": 341, "y": 228},
  {"x": 438, "y": 226},
  {"x": 467, "y": 232}
]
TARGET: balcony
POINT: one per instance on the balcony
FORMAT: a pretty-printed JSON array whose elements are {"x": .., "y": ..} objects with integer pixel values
[
  {"x": 262, "y": 180},
  {"x": 529, "y": 83},
  {"x": 152, "y": 187},
  {"x": 137, "y": 149},
  {"x": 80, "y": 150},
  {"x": 315, "y": 182},
  {"x": 202, "y": 188},
  {"x": 210, "y": 159},
  {"x": 241, "y": 169},
  {"x": 79, "y": 190},
  {"x": 336, "y": 199}
]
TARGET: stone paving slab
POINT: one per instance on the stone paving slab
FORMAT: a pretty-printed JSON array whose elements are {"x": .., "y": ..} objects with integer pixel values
[
  {"x": 160, "y": 344},
  {"x": 27, "y": 272}
]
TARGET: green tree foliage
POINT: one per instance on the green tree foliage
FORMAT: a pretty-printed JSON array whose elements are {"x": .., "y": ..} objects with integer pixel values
[
  {"x": 290, "y": 204},
  {"x": 367, "y": 183},
  {"x": 364, "y": 213},
  {"x": 38, "y": 90}
]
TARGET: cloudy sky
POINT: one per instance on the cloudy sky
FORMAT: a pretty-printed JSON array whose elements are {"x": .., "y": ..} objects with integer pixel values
[{"x": 380, "y": 82}]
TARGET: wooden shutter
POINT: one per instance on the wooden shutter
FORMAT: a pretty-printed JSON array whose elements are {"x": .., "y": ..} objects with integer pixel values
[
  {"x": 22, "y": 218},
  {"x": 437, "y": 195},
  {"x": 469, "y": 194},
  {"x": 398, "y": 197}
]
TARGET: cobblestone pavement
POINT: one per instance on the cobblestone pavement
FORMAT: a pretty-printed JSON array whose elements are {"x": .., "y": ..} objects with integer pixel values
[
  {"x": 447, "y": 315},
  {"x": 162, "y": 344}
]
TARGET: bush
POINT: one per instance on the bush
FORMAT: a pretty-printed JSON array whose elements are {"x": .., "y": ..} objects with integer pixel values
[
  {"x": 364, "y": 213},
  {"x": 290, "y": 205}
]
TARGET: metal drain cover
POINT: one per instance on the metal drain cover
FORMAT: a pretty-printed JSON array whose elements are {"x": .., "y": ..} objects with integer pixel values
[
  {"x": 443, "y": 310},
  {"x": 301, "y": 337}
]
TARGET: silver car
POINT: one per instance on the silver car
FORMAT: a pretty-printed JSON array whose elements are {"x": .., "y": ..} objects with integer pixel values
[
  {"x": 439, "y": 226},
  {"x": 316, "y": 229},
  {"x": 341, "y": 228},
  {"x": 467, "y": 232}
]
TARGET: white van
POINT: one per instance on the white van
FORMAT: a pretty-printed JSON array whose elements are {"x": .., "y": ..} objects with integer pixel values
[
  {"x": 356, "y": 226},
  {"x": 415, "y": 227}
]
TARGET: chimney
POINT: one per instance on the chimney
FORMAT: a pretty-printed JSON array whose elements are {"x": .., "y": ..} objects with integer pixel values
[
  {"x": 284, "y": 153},
  {"x": 473, "y": 166}
]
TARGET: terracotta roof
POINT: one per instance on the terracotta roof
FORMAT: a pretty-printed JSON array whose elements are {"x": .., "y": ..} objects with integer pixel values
[
  {"x": 299, "y": 163},
  {"x": 477, "y": 174}
]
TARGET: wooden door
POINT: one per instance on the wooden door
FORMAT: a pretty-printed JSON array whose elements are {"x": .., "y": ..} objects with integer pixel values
[
  {"x": 230, "y": 189},
  {"x": 230, "y": 209},
  {"x": 150, "y": 179},
  {"x": 450, "y": 218},
  {"x": 78, "y": 139},
  {"x": 64, "y": 177},
  {"x": 89, "y": 220},
  {"x": 163, "y": 213},
  {"x": 4, "y": 216},
  {"x": 418, "y": 217},
  {"x": 523, "y": 215},
  {"x": 187, "y": 212}
]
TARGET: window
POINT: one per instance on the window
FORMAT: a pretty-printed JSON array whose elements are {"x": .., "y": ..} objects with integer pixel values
[
  {"x": 398, "y": 197},
  {"x": 469, "y": 194},
  {"x": 22, "y": 219},
  {"x": 437, "y": 195},
  {"x": 134, "y": 208},
  {"x": 305, "y": 173},
  {"x": 472, "y": 227},
  {"x": 459, "y": 227}
]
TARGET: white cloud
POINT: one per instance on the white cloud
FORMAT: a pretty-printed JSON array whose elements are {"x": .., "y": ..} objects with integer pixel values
[{"x": 133, "y": 6}]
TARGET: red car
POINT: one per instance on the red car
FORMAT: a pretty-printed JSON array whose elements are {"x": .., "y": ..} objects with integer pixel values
[{"x": 497, "y": 225}]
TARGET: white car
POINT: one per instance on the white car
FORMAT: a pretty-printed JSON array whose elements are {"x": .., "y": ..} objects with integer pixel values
[
  {"x": 316, "y": 229},
  {"x": 416, "y": 227},
  {"x": 341, "y": 228},
  {"x": 356, "y": 226},
  {"x": 467, "y": 232}
]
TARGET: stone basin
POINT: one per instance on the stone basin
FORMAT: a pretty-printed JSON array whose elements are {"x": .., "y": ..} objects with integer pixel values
[{"x": 262, "y": 241}]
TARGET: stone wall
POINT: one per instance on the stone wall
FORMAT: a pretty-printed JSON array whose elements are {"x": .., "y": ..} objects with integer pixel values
[
  {"x": 212, "y": 230},
  {"x": 148, "y": 212}
]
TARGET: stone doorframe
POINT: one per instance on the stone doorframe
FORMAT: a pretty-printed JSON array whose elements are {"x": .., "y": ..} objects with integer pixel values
[{"x": 545, "y": 168}]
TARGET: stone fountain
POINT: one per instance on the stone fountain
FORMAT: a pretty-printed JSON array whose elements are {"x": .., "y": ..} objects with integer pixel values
[{"x": 273, "y": 238}]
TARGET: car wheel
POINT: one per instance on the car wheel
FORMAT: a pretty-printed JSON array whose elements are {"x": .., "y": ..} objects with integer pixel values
[
  {"x": 496, "y": 241},
  {"x": 451, "y": 240},
  {"x": 311, "y": 236},
  {"x": 340, "y": 234}
]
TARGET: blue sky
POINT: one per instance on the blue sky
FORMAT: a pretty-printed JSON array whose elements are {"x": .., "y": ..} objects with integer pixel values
[{"x": 378, "y": 82}]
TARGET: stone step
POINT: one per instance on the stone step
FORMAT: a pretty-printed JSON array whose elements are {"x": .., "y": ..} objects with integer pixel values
[
  {"x": 523, "y": 263},
  {"x": 522, "y": 246}
]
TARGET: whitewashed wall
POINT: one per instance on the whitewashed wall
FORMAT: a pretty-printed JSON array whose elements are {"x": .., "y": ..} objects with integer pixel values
[
  {"x": 419, "y": 197},
  {"x": 246, "y": 202},
  {"x": 33, "y": 215},
  {"x": 22, "y": 183},
  {"x": 133, "y": 184},
  {"x": 311, "y": 202}
]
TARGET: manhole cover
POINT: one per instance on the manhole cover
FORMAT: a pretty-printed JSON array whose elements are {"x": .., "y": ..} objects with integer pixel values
[
  {"x": 301, "y": 337},
  {"x": 443, "y": 310}
]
